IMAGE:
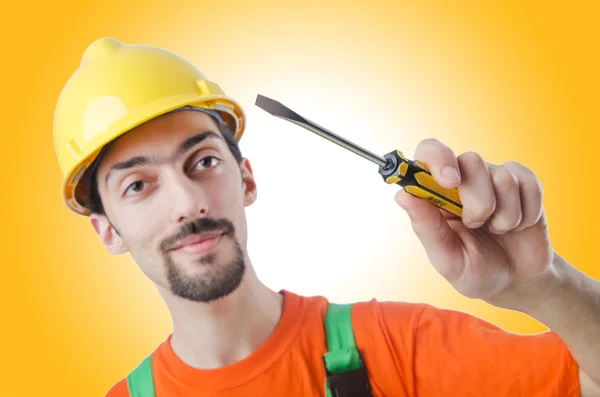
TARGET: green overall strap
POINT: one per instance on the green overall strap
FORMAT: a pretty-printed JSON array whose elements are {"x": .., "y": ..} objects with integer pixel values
[
  {"x": 343, "y": 364},
  {"x": 140, "y": 380}
]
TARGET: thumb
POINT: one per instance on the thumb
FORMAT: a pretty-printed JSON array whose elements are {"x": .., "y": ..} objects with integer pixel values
[{"x": 440, "y": 241}]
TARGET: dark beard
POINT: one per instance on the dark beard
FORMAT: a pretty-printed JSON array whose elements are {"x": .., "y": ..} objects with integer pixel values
[{"x": 219, "y": 280}]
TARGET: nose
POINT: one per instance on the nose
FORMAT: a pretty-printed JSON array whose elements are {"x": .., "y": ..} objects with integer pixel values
[{"x": 186, "y": 199}]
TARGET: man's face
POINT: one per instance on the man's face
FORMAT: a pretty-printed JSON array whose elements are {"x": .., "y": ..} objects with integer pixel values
[{"x": 176, "y": 197}]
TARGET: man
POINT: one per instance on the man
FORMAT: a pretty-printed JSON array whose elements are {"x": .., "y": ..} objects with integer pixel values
[{"x": 149, "y": 151}]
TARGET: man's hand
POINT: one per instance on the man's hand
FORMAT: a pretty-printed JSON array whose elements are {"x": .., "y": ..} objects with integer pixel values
[
  {"x": 500, "y": 250},
  {"x": 501, "y": 241}
]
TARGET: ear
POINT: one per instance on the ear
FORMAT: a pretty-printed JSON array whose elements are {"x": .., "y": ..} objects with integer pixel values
[
  {"x": 108, "y": 234},
  {"x": 248, "y": 182}
]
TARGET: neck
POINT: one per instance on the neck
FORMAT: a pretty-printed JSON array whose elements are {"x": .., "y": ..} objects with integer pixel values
[{"x": 219, "y": 333}]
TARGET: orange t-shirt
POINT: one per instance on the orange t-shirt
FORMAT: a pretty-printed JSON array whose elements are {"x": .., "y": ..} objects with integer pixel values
[{"x": 408, "y": 349}]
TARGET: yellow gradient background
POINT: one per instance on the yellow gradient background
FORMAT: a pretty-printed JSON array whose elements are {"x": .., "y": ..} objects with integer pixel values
[{"x": 514, "y": 81}]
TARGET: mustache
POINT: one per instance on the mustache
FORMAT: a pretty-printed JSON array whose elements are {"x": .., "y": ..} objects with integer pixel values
[{"x": 196, "y": 227}]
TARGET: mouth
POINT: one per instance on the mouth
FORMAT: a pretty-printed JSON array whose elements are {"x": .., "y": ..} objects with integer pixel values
[{"x": 199, "y": 244}]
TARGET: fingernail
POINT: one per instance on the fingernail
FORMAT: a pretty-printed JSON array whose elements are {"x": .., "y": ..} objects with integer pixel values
[{"x": 450, "y": 174}]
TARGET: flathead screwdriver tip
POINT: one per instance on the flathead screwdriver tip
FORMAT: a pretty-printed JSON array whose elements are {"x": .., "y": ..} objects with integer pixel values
[
  {"x": 277, "y": 109},
  {"x": 267, "y": 104}
]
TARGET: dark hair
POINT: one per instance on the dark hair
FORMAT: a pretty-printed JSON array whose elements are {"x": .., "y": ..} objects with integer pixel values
[{"x": 95, "y": 202}]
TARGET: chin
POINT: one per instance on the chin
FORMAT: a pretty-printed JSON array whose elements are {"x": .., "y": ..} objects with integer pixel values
[{"x": 206, "y": 277}]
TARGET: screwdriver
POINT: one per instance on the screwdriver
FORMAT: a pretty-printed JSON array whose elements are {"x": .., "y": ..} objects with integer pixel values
[{"x": 414, "y": 176}]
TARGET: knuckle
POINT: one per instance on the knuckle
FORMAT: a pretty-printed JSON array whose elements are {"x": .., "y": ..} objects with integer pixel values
[
  {"x": 513, "y": 164},
  {"x": 471, "y": 159},
  {"x": 533, "y": 188},
  {"x": 526, "y": 177},
  {"x": 539, "y": 189},
  {"x": 480, "y": 211},
  {"x": 524, "y": 172},
  {"x": 503, "y": 223},
  {"x": 505, "y": 179}
]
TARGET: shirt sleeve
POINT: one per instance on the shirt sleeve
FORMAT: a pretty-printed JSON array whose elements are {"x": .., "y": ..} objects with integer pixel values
[
  {"x": 461, "y": 355},
  {"x": 119, "y": 389}
]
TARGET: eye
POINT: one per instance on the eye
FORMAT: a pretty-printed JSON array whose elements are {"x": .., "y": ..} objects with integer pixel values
[
  {"x": 207, "y": 162},
  {"x": 135, "y": 187}
]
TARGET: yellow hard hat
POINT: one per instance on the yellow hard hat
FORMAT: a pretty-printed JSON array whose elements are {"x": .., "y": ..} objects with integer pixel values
[{"x": 120, "y": 86}]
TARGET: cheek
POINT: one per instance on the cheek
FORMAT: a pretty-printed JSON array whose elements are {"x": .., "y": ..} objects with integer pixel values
[
  {"x": 227, "y": 201},
  {"x": 142, "y": 233},
  {"x": 229, "y": 198}
]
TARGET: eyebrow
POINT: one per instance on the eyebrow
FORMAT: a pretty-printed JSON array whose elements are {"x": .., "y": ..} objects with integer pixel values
[{"x": 183, "y": 148}]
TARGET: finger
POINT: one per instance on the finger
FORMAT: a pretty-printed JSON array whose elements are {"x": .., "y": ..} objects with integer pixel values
[
  {"x": 531, "y": 193},
  {"x": 507, "y": 215},
  {"x": 476, "y": 190},
  {"x": 440, "y": 160},
  {"x": 439, "y": 240}
]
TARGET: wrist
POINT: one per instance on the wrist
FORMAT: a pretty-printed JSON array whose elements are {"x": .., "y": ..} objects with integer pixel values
[{"x": 537, "y": 295}]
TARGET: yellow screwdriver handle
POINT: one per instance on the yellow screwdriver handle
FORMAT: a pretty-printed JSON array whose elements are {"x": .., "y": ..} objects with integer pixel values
[{"x": 416, "y": 179}]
